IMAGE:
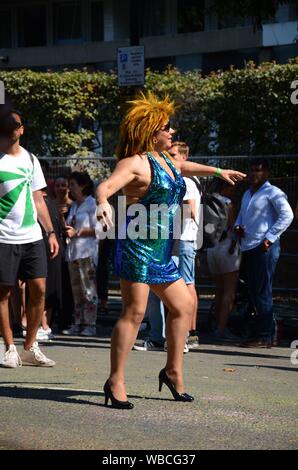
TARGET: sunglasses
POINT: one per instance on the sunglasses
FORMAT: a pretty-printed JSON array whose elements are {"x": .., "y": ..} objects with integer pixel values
[{"x": 167, "y": 127}]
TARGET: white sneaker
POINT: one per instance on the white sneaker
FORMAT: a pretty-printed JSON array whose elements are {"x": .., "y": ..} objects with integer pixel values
[
  {"x": 72, "y": 331},
  {"x": 34, "y": 357},
  {"x": 48, "y": 332},
  {"x": 148, "y": 345},
  {"x": 88, "y": 331},
  {"x": 11, "y": 358},
  {"x": 193, "y": 342},
  {"x": 44, "y": 335}
]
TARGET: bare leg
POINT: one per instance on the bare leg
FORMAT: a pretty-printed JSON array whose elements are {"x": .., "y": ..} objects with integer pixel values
[
  {"x": 15, "y": 306},
  {"x": 229, "y": 283},
  {"x": 35, "y": 309},
  {"x": 5, "y": 327},
  {"x": 46, "y": 318},
  {"x": 135, "y": 298},
  {"x": 22, "y": 290},
  {"x": 193, "y": 293},
  {"x": 180, "y": 304}
]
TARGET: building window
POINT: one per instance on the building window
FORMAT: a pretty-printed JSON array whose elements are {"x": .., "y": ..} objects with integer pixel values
[
  {"x": 190, "y": 16},
  {"x": 231, "y": 21},
  {"x": 5, "y": 28},
  {"x": 68, "y": 22},
  {"x": 282, "y": 54},
  {"x": 152, "y": 17},
  {"x": 189, "y": 62},
  {"x": 223, "y": 60},
  {"x": 97, "y": 21},
  {"x": 32, "y": 25}
]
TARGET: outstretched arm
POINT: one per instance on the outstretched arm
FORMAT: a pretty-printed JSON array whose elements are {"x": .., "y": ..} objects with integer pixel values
[
  {"x": 124, "y": 173},
  {"x": 196, "y": 169}
]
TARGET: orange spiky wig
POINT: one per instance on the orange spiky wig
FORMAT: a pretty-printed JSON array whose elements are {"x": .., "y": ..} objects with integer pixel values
[{"x": 146, "y": 116}]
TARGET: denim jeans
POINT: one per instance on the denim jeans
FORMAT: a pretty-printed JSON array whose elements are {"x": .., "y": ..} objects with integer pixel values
[
  {"x": 156, "y": 316},
  {"x": 260, "y": 268},
  {"x": 187, "y": 256}
]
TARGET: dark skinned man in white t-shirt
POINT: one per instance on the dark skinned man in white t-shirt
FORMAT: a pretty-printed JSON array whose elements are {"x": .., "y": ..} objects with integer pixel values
[{"x": 22, "y": 250}]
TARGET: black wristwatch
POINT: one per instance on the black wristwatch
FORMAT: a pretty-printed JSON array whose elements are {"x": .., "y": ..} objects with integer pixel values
[{"x": 50, "y": 233}]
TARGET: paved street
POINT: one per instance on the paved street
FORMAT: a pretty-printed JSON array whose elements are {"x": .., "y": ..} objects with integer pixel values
[{"x": 250, "y": 405}]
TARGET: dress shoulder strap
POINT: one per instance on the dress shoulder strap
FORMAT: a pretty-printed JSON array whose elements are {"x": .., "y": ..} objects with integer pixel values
[{"x": 170, "y": 163}]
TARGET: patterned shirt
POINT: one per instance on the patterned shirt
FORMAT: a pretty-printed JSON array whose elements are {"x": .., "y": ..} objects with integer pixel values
[{"x": 19, "y": 178}]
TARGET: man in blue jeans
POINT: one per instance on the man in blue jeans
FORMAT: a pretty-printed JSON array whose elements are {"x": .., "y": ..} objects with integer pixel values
[{"x": 264, "y": 215}]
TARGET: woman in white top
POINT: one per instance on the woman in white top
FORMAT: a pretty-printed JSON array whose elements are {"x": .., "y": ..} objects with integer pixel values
[
  {"x": 81, "y": 253},
  {"x": 224, "y": 264}
]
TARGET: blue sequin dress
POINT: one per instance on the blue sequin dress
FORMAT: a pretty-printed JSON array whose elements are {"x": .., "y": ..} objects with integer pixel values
[{"x": 149, "y": 259}]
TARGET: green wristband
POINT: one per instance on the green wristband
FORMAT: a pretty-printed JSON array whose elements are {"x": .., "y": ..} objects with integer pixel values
[{"x": 218, "y": 172}]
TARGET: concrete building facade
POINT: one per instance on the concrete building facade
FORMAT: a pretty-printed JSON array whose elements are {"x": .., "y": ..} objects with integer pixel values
[{"x": 57, "y": 34}]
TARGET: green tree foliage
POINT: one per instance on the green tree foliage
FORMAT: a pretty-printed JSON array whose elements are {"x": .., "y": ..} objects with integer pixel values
[
  {"x": 62, "y": 111},
  {"x": 238, "y": 112}
]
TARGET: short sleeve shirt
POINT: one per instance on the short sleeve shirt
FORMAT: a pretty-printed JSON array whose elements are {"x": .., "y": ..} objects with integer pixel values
[
  {"x": 190, "y": 227},
  {"x": 19, "y": 178},
  {"x": 80, "y": 216}
]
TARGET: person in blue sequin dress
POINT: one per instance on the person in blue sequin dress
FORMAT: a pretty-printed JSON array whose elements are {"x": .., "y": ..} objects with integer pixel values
[
  {"x": 149, "y": 260},
  {"x": 148, "y": 178}
]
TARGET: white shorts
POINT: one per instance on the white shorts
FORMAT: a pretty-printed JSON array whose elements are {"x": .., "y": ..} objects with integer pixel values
[{"x": 219, "y": 259}]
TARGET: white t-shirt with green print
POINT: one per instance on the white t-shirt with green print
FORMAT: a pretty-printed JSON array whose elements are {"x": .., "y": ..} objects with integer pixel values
[{"x": 18, "y": 179}]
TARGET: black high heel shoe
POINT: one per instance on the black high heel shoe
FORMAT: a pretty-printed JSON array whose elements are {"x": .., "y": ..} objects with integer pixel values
[
  {"x": 120, "y": 405},
  {"x": 164, "y": 379}
]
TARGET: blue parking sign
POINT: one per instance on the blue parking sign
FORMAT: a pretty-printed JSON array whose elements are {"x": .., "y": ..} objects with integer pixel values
[{"x": 123, "y": 58}]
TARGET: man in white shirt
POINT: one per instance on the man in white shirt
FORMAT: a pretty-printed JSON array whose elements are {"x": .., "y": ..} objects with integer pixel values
[
  {"x": 22, "y": 250},
  {"x": 188, "y": 240},
  {"x": 264, "y": 215}
]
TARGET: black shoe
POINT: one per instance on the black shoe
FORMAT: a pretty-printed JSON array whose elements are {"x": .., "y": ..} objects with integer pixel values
[
  {"x": 164, "y": 379},
  {"x": 120, "y": 405},
  {"x": 257, "y": 343}
]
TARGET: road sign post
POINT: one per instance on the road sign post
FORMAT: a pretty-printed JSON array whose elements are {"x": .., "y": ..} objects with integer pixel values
[{"x": 131, "y": 66}]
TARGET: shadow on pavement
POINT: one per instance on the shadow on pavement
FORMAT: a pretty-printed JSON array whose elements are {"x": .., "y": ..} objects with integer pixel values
[
  {"x": 286, "y": 369},
  {"x": 5, "y": 382},
  {"x": 82, "y": 339},
  {"x": 71, "y": 345},
  {"x": 62, "y": 396},
  {"x": 236, "y": 353}
]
